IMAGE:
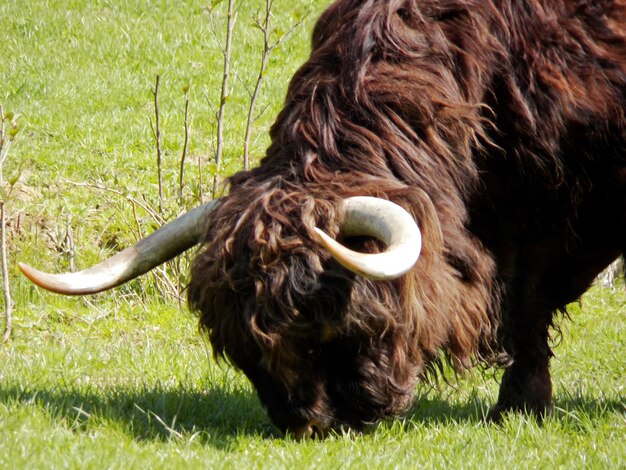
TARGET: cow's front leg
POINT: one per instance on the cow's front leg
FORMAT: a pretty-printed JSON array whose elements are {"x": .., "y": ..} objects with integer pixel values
[{"x": 526, "y": 385}]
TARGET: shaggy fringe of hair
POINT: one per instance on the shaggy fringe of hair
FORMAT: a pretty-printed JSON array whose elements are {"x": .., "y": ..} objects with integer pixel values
[{"x": 398, "y": 100}]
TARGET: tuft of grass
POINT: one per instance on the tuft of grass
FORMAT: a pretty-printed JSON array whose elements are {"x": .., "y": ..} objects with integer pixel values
[{"x": 123, "y": 380}]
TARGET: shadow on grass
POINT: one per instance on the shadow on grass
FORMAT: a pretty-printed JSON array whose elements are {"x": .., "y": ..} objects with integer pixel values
[
  {"x": 214, "y": 417},
  {"x": 593, "y": 408},
  {"x": 436, "y": 410}
]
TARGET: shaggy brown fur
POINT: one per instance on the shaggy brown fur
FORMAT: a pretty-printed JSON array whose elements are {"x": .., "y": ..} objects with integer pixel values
[{"x": 499, "y": 125}]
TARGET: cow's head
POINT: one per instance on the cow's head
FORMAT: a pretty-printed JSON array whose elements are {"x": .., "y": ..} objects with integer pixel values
[{"x": 325, "y": 346}]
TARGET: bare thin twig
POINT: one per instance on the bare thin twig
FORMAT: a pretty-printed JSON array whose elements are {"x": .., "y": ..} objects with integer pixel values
[
  {"x": 181, "y": 180},
  {"x": 8, "y": 302},
  {"x": 265, "y": 26},
  {"x": 156, "y": 132},
  {"x": 69, "y": 244},
  {"x": 5, "y": 142},
  {"x": 165, "y": 279},
  {"x": 200, "y": 182},
  {"x": 265, "y": 29},
  {"x": 230, "y": 24},
  {"x": 136, "y": 218}
]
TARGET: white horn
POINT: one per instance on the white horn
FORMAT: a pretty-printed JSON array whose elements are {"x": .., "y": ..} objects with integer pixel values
[
  {"x": 158, "y": 247},
  {"x": 381, "y": 219}
]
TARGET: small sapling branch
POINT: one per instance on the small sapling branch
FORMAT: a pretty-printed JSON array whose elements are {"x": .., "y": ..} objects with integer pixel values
[
  {"x": 230, "y": 25},
  {"x": 68, "y": 242},
  {"x": 264, "y": 25},
  {"x": 6, "y": 288},
  {"x": 181, "y": 176},
  {"x": 6, "y": 137},
  {"x": 156, "y": 132}
]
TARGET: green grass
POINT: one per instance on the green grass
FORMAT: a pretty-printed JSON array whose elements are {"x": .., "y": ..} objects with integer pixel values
[
  {"x": 128, "y": 387},
  {"x": 124, "y": 380}
]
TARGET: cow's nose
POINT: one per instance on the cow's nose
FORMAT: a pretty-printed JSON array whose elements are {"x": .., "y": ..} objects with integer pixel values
[
  {"x": 309, "y": 430},
  {"x": 303, "y": 432}
]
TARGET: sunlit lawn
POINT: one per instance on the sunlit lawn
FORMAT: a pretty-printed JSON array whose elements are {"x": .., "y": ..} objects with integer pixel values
[{"x": 124, "y": 380}]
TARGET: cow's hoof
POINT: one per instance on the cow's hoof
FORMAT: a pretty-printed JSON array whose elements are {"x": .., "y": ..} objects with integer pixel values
[{"x": 536, "y": 411}]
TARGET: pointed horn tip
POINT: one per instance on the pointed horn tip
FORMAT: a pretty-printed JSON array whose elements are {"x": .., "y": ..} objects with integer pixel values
[
  {"x": 57, "y": 283},
  {"x": 27, "y": 271},
  {"x": 37, "y": 277}
]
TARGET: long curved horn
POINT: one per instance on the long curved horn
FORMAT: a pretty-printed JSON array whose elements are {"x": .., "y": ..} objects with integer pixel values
[
  {"x": 381, "y": 219},
  {"x": 160, "y": 246}
]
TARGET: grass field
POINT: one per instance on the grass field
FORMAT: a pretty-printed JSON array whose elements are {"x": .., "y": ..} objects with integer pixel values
[{"x": 123, "y": 379}]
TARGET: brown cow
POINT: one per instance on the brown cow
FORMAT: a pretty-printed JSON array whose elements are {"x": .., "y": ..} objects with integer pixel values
[{"x": 498, "y": 125}]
